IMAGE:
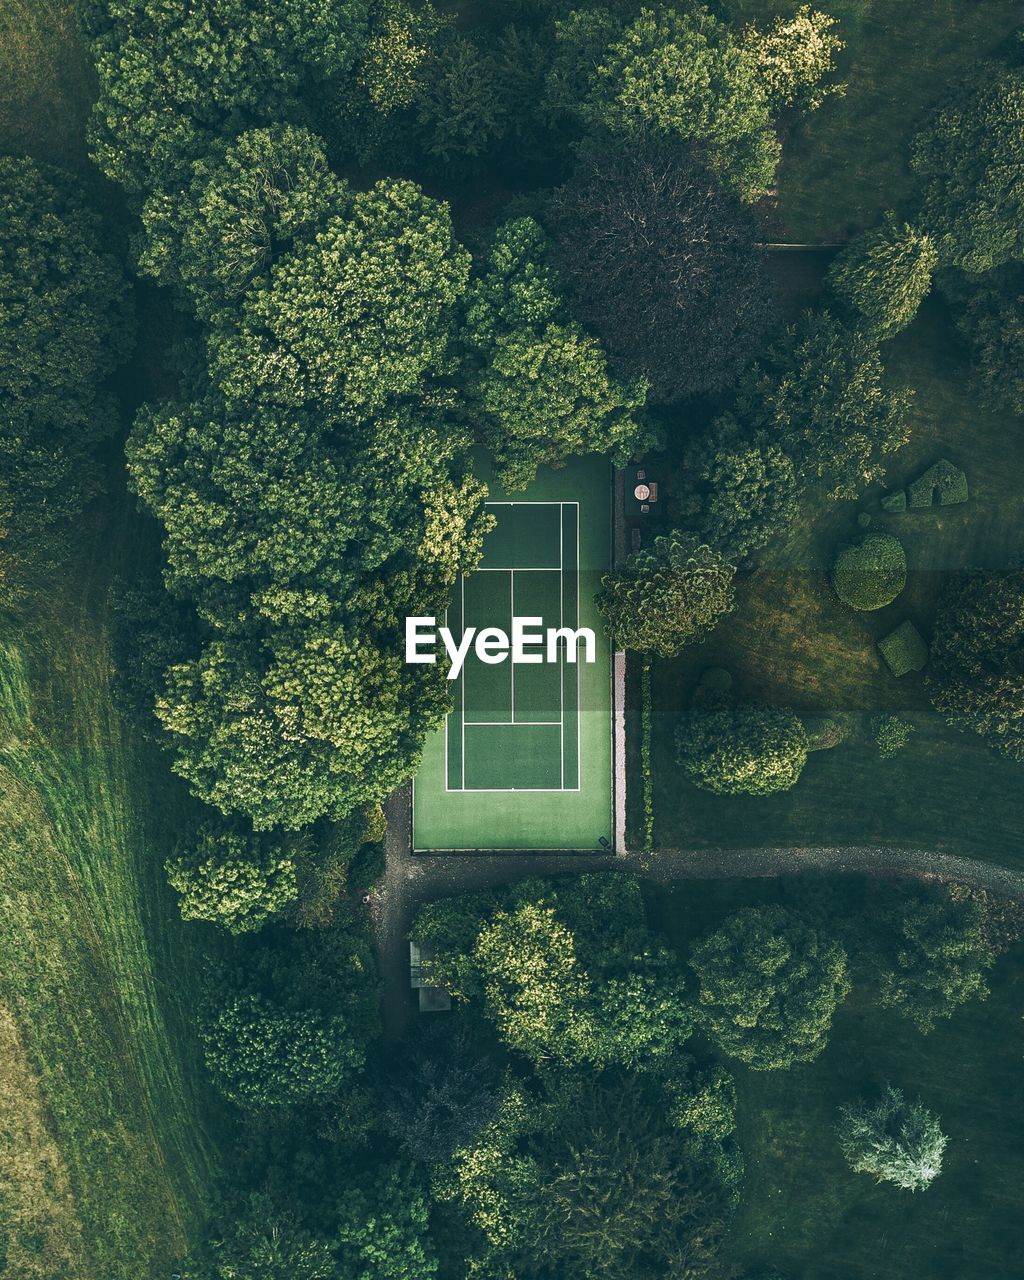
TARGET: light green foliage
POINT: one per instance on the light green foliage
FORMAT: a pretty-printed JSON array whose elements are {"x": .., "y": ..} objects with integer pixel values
[
  {"x": 232, "y": 878},
  {"x": 67, "y": 324},
  {"x": 891, "y": 735},
  {"x": 896, "y": 1140},
  {"x": 667, "y": 596},
  {"x": 883, "y": 276},
  {"x": 248, "y": 204},
  {"x": 567, "y": 972},
  {"x": 975, "y": 680},
  {"x": 355, "y": 317},
  {"x": 769, "y": 986},
  {"x": 904, "y": 650},
  {"x": 384, "y": 1234},
  {"x": 539, "y": 386},
  {"x": 736, "y": 491},
  {"x": 820, "y": 396},
  {"x": 173, "y": 79},
  {"x": 321, "y": 725},
  {"x": 399, "y": 45},
  {"x": 263, "y": 1055},
  {"x": 968, "y": 161},
  {"x": 742, "y": 749},
  {"x": 935, "y": 957},
  {"x": 793, "y": 57},
  {"x": 262, "y": 1241},
  {"x": 871, "y": 573},
  {"x": 687, "y": 75}
]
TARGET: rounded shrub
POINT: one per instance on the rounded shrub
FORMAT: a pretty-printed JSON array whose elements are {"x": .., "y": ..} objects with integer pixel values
[
  {"x": 871, "y": 573},
  {"x": 743, "y": 749}
]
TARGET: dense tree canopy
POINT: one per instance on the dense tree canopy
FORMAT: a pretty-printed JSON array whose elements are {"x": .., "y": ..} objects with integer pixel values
[
  {"x": 67, "y": 324},
  {"x": 666, "y": 596},
  {"x": 734, "y": 489},
  {"x": 977, "y": 660},
  {"x": 769, "y": 985},
  {"x": 821, "y": 396},
  {"x": 990, "y": 315},
  {"x": 883, "y": 275},
  {"x": 742, "y": 748},
  {"x": 969, "y": 161},
  {"x": 662, "y": 260}
]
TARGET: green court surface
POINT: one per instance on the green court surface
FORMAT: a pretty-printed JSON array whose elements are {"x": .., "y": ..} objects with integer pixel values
[{"x": 524, "y": 759}]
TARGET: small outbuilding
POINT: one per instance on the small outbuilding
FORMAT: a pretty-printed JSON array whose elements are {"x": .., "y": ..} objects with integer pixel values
[{"x": 432, "y": 998}]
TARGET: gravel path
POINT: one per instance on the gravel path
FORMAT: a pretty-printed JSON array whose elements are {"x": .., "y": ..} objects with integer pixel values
[{"x": 411, "y": 879}]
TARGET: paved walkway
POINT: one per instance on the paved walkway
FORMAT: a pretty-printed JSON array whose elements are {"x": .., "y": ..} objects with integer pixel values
[{"x": 411, "y": 879}]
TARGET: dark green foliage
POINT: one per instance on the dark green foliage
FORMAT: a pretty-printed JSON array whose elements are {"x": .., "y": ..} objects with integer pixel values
[
  {"x": 977, "y": 680},
  {"x": 871, "y": 573},
  {"x": 261, "y": 1055},
  {"x": 666, "y": 596},
  {"x": 150, "y": 631},
  {"x": 734, "y": 490},
  {"x": 383, "y": 1232},
  {"x": 565, "y": 971},
  {"x": 662, "y": 261},
  {"x": 896, "y": 1140},
  {"x": 67, "y": 325},
  {"x": 933, "y": 955},
  {"x": 539, "y": 385},
  {"x": 459, "y": 109},
  {"x": 883, "y": 276},
  {"x": 991, "y": 318},
  {"x": 820, "y": 396},
  {"x": 891, "y": 735},
  {"x": 646, "y": 712},
  {"x": 942, "y": 484},
  {"x": 769, "y": 986},
  {"x": 742, "y": 748},
  {"x": 260, "y": 1239},
  {"x": 233, "y": 877},
  {"x": 367, "y": 869},
  {"x": 904, "y": 650},
  {"x": 444, "y": 1094},
  {"x": 968, "y": 161},
  {"x": 173, "y": 80}
]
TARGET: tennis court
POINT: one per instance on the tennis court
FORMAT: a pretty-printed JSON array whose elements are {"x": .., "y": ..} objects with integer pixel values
[{"x": 524, "y": 759}]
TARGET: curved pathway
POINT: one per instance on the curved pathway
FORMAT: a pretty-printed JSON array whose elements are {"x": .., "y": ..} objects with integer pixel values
[{"x": 411, "y": 879}]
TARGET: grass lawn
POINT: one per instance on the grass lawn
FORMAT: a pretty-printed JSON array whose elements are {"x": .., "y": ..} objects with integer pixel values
[
  {"x": 848, "y": 162},
  {"x": 99, "y": 975},
  {"x": 791, "y": 641},
  {"x": 803, "y": 1210}
]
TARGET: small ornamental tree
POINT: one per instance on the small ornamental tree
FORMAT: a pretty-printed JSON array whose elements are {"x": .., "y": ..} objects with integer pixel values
[
  {"x": 263, "y": 1055},
  {"x": 666, "y": 596},
  {"x": 736, "y": 491},
  {"x": 977, "y": 676},
  {"x": 891, "y": 734},
  {"x": 233, "y": 877},
  {"x": 769, "y": 986},
  {"x": 663, "y": 265},
  {"x": 384, "y": 1232},
  {"x": 883, "y": 276},
  {"x": 821, "y": 396},
  {"x": 895, "y": 1140},
  {"x": 793, "y": 57},
  {"x": 969, "y": 161},
  {"x": 743, "y": 748}
]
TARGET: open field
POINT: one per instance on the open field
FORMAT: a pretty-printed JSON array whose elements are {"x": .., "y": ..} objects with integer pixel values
[
  {"x": 99, "y": 972},
  {"x": 803, "y": 1211},
  {"x": 848, "y": 162},
  {"x": 790, "y": 640}
]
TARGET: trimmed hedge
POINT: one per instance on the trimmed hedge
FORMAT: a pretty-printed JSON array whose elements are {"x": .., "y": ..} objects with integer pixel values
[
  {"x": 871, "y": 573},
  {"x": 904, "y": 649}
]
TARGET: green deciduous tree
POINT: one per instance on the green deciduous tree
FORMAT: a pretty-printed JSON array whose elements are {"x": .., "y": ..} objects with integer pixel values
[
  {"x": 769, "y": 986},
  {"x": 976, "y": 678},
  {"x": 666, "y": 596},
  {"x": 896, "y": 1140},
  {"x": 459, "y": 111},
  {"x": 261, "y": 1240},
  {"x": 67, "y": 324},
  {"x": 383, "y": 1232},
  {"x": 990, "y": 316},
  {"x": 793, "y": 58},
  {"x": 969, "y": 161},
  {"x": 663, "y": 263},
  {"x": 743, "y": 748},
  {"x": 932, "y": 957},
  {"x": 232, "y": 877},
  {"x": 883, "y": 276},
  {"x": 262, "y": 1055},
  {"x": 821, "y": 396},
  {"x": 735, "y": 490}
]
